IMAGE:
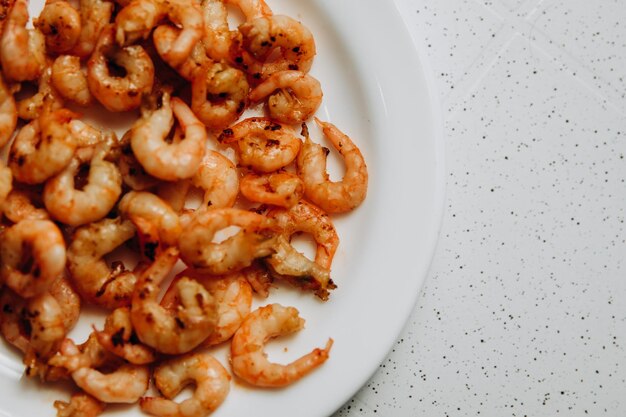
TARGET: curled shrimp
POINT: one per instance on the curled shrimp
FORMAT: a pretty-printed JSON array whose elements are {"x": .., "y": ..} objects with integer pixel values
[
  {"x": 292, "y": 96},
  {"x": 212, "y": 386},
  {"x": 32, "y": 107},
  {"x": 249, "y": 361},
  {"x": 262, "y": 36},
  {"x": 22, "y": 51},
  {"x": 133, "y": 174},
  {"x": 13, "y": 321},
  {"x": 93, "y": 278},
  {"x": 73, "y": 206},
  {"x": 33, "y": 256},
  {"x": 68, "y": 300},
  {"x": 217, "y": 38},
  {"x": 164, "y": 38},
  {"x": 8, "y": 113},
  {"x": 119, "y": 338},
  {"x": 119, "y": 93},
  {"x": 60, "y": 23},
  {"x": 232, "y": 293},
  {"x": 69, "y": 79},
  {"x": 43, "y": 147},
  {"x": 332, "y": 197},
  {"x": 80, "y": 405},
  {"x": 259, "y": 278},
  {"x": 263, "y": 145},
  {"x": 177, "y": 331},
  {"x": 6, "y": 184},
  {"x": 157, "y": 223},
  {"x": 278, "y": 189},
  {"x": 47, "y": 327},
  {"x": 218, "y": 178},
  {"x": 169, "y": 161},
  {"x": 136, "y": 20},
  {"x": 23, "y": 203},
  {"x": 124, "y": 385},
  {"x": 95, "y": 15},
  {"x": 218, "y": 94},
  {"x": 198, "y": 250}
]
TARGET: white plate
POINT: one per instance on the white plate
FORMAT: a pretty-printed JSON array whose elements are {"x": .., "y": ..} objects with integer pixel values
[{"x": 377, "y": 90}]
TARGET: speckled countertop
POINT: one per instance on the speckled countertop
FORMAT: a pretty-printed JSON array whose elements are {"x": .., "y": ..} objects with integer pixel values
[{"x": 524, "y": 310}]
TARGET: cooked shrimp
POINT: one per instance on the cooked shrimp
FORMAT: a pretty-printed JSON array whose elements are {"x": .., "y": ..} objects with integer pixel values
[
  {"x": 292, "y": 266},
  {"x": 136, "y": 20},
  {"x": 119, "y": 338},
  {"x": 124, "y": 385},
  {"x": 133, "y": 174},
  {"x": 8, "y": 113},
  {"x": 80, "y": 405},
  {"x": 6, "y": 184},
  {"x": 292, "y": 96},
  {"x": 262, "y": 144},
  {"x": 73, "y": 206},
  {"x": 68, "y": 300},
  {"x": 249, "y": 361},
  {"x": 91, "y": 275},
  {"x": 31, "y": 107},
  {"x": 88, "y": 135},
  {"x": 164, "y": 38},
  {"x": 69, "y": 79},
  {"x": 13, "y": 324},
  {"x": 217, "y": 38},
  {"x": 218, "y": 95},
  {"x": 252, "y": 8},
  {"x": 23, "y": 203},
  {"x": 305, "y": 217},
  {"x": 188, "y": 15},
  {"x": 33, "y": 256},
  {"x": 22, "y": 51},
  {"x": 265, "y": 35},
  {"x": 212, "y": 386},
  {"x": 157, "y": 223},
  {"x": 46, "y": 324},
  {"x": 332, "y": 197},
  {"x": 171, "y": 332},
  {"x": 60, "y": 23},
  {"x": 279, "y": 189},
  {"x": 42, "y": 148},
  {"x": 119, "y": 93},
  {"x": 95, "y": 15},
  {"x": 233, "y": 296},
  {"x": 198, "y": 250},
  {"x": 175, "y": 194},
  {"x": 169, "y": 161},
  {"x": 218, "y": 178}
]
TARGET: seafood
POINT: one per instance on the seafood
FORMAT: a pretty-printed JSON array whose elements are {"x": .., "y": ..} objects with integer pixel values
[
  {"x": 75, "y": 206},
  {"x": 80, "y": 405},
  {"x": 32, "y": 107},
  {"x": 177, "y": 331},
  {"x": 212, "y": 383},
  {"x": 94, "y": 17},
  {"x": 22, "y": 203},
  {"x": 122, "y": 91},
  {"x": 262, "y": 145},
  {"x": 60, "y": 24},
  {"x": 249, "y": 361},
  {"x": 233, "y": 296},
  {"x": 198, "y": 250},
  {"x": 119, "y": 338},
  {"x": 96, "y": 282},
  {"x": 292, "y": 96},
  {"x": 8, "y": 113},
  {"x": 70, "y": 80},
  {"x": 6, "y": 184},
  {"x": 169, "y": 161},
  {"x": 278, "y": 189},
  {"x": 33, "y": 256},
  {"x": 332, "y": 197},
  {"x": 218, "y": 178},
  {"x": 22, "y": 51}
]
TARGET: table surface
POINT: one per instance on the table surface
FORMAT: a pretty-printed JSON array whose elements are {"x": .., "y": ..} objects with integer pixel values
[{"x": 523, "y": 311}]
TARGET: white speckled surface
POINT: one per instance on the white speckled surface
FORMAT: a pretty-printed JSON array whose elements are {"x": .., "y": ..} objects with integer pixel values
[{"x": 524, "y": 310}]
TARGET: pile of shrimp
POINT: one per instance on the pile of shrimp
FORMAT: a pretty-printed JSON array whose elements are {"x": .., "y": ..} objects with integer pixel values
[{"x": 72, "y": 194}]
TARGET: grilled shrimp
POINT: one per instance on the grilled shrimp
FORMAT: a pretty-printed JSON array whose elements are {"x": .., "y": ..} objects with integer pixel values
[
  {"x": 23, "y": 203},
  {"x": 263, "y": 145},
  {"x": 95, "y": 15},
  {"x": 75, "y": 207},
  {"x": 249, "y": 361},
  {"x": 332, "y": 197},
  {"x": 212, "y": 386},
  {"x": 22, "y": 51},
  {"x": 33, "y": 256},
  {"x": 8, "y": 113},
  {"x": 60, "y": 24},
  {"x": 69, "y": 79},
  {"x": 80, "y": 405},
  {"x": 169, "y": 161},
  {"x": 119, "y": 93},
  {"x": 198, "y": 250},
  {"x": 119, "y": 338},
  {"x": 94, "y": 280},
  {"x": 278, "y": 189},
  {"x": 171, "y": 332}
]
